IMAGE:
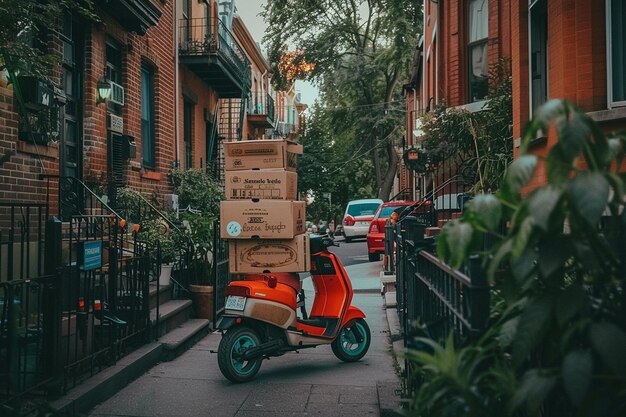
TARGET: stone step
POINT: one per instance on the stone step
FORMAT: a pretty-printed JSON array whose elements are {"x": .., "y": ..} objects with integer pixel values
[
  {"x": 171, "y": 314},
  {"x": 178, "y": 340}
]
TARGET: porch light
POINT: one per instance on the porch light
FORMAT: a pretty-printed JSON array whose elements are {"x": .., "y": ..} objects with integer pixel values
[{"x": 104, "y": 90}]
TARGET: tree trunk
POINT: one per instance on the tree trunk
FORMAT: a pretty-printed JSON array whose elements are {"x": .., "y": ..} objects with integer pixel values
[{"x": 387, "y": 184}]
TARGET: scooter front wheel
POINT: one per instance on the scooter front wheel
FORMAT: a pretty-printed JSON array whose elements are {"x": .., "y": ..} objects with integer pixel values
[
  {"x": 352, "y": 342},
  {"x": 233, "y": 345}
]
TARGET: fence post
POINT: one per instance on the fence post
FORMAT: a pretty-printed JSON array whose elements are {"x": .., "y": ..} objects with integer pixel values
[
  {"x": 390, "y": 257},
  {"x": 51, "y": 303},
  {"x": 479, "y": 295}
]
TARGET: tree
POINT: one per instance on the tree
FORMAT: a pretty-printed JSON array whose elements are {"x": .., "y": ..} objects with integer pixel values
[
  {"x": 24, "y": 29},
  {"x": 559, "y": 278},
  {"x": 357, "y": 51}
]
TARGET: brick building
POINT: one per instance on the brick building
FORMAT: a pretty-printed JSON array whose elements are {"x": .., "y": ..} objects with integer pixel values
[{"x": 571, "y": 49}]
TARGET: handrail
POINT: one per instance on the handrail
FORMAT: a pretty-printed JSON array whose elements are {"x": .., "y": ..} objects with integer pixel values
[
  {"x": 428, "y": 197},
  {"x": 93, "y": 194}
]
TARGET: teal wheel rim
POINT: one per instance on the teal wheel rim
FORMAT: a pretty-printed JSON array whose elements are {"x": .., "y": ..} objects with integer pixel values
[
  {"x": 349, "y": 343},
  {"x": 242, "y": 366}
]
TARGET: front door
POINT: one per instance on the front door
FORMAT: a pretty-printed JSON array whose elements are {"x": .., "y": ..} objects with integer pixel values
[{"x": 71, "y": 151}]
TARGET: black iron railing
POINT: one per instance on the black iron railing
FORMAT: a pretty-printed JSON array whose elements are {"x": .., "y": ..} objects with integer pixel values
[
  {"x": 222, "y": 276},
  {"x": 200, "y": 37},
  {"x": 262, "y": 104}
]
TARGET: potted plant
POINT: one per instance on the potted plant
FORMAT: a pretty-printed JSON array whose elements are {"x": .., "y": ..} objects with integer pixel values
[
  {"x": 155, "y": 232},
  {"x": 199, "y": 196}
]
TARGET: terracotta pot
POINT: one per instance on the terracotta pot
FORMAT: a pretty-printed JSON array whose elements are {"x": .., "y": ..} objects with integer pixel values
[{"x": 202, "y": 297}]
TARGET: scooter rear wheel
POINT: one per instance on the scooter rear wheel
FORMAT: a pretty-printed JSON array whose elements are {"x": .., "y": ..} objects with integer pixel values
[
  {"x": 346, "y": 346},
  {"x": 233, "y": 344}
]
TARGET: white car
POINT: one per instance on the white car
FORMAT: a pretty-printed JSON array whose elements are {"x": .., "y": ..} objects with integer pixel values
[{"x": 358, "y": 216}]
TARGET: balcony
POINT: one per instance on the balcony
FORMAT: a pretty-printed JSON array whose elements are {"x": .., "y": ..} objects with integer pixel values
[
  {"x": 211, "y": 52},
  {"x": 261, "y": 111}
]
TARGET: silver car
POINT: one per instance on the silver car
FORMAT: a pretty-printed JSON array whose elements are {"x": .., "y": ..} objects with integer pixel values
[{"x": 358, "y": 216}]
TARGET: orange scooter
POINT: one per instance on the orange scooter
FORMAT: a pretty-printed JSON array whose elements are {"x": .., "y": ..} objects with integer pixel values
[{"x": 261, "y": 320}]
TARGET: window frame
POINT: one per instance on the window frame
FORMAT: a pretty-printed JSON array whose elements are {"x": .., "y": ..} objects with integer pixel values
[
  {"x": 469, "y": 46},
  {"x": 148, "y": 161},
  {"x": 531, "y": 4},
  {"x": 609, "y": 60}
]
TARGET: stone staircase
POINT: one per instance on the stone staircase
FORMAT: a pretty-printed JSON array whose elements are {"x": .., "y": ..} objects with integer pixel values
[{"x": 176, "y": 328}]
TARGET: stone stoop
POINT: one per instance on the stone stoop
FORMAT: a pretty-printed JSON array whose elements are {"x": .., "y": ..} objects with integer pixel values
[{"x": 177, "y": 332}]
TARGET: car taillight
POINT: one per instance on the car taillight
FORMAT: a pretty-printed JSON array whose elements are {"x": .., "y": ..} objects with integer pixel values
[
  {"x": 349, "y": 220},
  {"x": 237, "y": 291},
  {"x": 374, "y": 227}
]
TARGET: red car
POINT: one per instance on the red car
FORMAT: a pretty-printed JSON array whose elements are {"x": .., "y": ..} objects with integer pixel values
[{"x": 376, "y": 233}]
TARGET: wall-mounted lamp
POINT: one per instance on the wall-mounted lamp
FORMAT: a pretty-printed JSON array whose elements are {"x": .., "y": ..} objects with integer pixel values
[{"x": 104, "y": 90}]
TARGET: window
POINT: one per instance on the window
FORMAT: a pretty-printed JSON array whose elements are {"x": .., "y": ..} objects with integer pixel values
[
  {"x": 114, "y": 72},
  {"x": 538, "y": 32},
  {"x": 147, "y": 117},
  {"x": 478, "y": 26},
  {"x": 185, "y": 22},
  {"x": 187, "y": 130},
  {"x": 616, "y": 51}
]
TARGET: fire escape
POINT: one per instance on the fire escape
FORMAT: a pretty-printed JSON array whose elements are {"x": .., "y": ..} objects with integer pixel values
[{"x": 208, "y": 48}]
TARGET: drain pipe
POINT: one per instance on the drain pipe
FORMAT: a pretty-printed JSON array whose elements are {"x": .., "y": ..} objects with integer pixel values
[{"x": 176, "y": 85}]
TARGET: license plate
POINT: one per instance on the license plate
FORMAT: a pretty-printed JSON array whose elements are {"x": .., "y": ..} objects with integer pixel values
[{"x": 234, "y": 302}]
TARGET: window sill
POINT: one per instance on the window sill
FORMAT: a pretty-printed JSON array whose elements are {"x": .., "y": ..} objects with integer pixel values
[
  {"x": 608, "y": 115},
  {"x": 475, "y": 106},
  {"x": 151, "y": 175},
  {"x": 51, "y": 150}
]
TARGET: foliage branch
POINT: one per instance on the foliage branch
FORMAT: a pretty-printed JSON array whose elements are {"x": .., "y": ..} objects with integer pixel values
[
  {"x": 556, "y": 342},
  {"x": 479, "y": 142}
]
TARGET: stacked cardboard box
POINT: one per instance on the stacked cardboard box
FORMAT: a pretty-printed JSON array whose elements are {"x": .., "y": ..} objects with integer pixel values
[{"x": 260, "y": 217}]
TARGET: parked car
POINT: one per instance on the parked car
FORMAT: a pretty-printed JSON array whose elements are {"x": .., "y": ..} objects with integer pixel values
[
  {"x": 357, "y": 217},
  {"x": 376, "y": 232}
]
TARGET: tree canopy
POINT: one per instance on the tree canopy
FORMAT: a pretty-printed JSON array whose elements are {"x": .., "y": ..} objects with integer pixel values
[
  {"x": 24, "y": 25},
  {"x": 358, "y": 52}
]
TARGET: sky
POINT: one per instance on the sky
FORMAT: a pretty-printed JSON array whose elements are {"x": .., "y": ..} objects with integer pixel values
[{"x": 249, "y": 11}]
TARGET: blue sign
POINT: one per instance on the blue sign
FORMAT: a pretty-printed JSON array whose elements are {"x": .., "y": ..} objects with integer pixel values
[{"x": 92, "y": 255}]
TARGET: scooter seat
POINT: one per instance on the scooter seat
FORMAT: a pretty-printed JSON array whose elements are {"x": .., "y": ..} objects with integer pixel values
[{"x": 318, "y": 321}]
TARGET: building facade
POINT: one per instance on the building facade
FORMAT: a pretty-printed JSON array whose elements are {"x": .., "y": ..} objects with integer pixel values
[{"x": 568, "y": 49}]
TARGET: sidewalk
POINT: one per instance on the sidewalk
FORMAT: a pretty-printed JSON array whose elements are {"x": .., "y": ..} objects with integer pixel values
[{"x": 311, "y": 382}]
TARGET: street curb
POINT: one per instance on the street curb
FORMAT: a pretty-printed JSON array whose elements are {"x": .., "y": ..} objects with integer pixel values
[
  {"x": 109, "y": 381},
  {"x": 391, "y": 404}
]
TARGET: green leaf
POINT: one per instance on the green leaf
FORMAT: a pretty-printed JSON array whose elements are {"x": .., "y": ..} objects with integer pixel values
[
  {"x": 576, "y": 372},
  {"x": 503, "y": 251},
  {"x": 487, "y": 210},
  {"x": 553, "y": 252},
  {"x": 589, "y": 195},
  {"x": 520, "y": 172},
  {"x": 507, "y": 333},
  {"x": 458, "y": 237},
  {"x": 558, "y": 167},
  {"x": 533, "y": 390},
  {"x": 609, "y": 341},
  {"x": 522, "y": 238},
  {"x": 533, "y": 324},
  {"x": 524, "y": 265},
  {"x": 569, "y": 303},
  {"x": 542, "y": 203},
  {"x": 573, "y": 133}
]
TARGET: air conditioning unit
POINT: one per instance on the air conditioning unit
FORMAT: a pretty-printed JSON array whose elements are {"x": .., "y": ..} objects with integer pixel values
[{"x": 117, "y": 94}]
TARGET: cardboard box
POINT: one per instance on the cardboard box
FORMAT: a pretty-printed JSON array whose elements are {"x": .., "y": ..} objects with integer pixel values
[
  {"x": 263, "y": 255},
  {"x": 262, "y": 219},
  {"x": 265, "y": 184},
  {"x": 261, "y": 154}
]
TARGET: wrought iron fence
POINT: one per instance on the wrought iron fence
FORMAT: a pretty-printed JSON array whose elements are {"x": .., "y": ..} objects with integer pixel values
[
  {"x": 222, "y": 275},
  {"x": 199, "y": 37},
  {"x": 73, "y": 293},
  {"x": 434, "y": 300}
]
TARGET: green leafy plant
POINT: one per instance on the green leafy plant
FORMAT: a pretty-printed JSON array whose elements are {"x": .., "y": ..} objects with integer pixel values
[
  {"x": 479, "y": 143},
  {"x": 559, "y": 267},
  {"x": 199, "y": 197},
  {"x": 154, "y": 230}
]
